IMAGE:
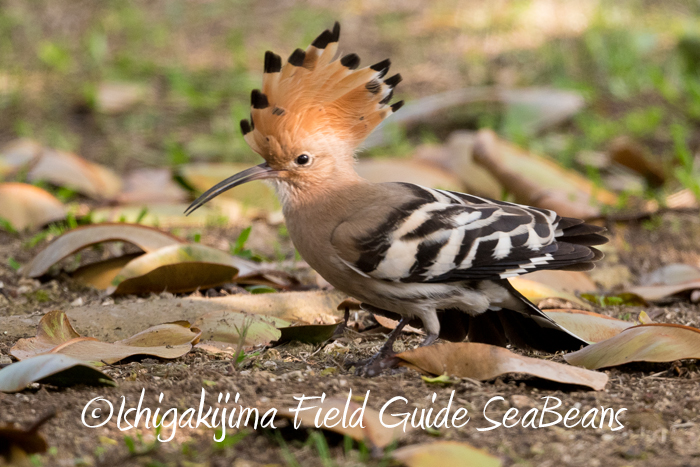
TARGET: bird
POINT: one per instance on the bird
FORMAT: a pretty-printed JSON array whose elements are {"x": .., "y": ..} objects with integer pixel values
[{"x": 417, "y": 254}]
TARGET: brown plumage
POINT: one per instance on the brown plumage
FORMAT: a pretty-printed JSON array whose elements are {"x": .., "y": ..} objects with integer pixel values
[{"x": 403, "y": 250}]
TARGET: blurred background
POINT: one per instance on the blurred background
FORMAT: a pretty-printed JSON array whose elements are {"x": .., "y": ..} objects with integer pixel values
[{"x": 134, "y": 85}]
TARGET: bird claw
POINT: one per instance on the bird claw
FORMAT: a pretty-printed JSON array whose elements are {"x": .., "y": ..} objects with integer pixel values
[{"x": 376, "y": 364}]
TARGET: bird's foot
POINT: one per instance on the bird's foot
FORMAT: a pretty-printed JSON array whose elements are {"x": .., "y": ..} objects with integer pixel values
[
  {"x": 376, "y": 364},
  {"x": 429, "y": 339}
]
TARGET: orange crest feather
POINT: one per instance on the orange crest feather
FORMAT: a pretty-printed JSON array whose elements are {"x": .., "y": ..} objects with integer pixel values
[{"x": 315, "y": 96}]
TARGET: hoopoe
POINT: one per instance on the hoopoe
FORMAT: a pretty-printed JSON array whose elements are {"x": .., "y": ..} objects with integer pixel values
[{"x": 403, "y": 250}]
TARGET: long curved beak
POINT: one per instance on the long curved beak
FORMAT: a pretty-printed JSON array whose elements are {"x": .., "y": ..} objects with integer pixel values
[{"x": 254, "y": 173}]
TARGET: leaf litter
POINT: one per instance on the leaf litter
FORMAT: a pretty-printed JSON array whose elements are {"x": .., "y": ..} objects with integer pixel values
[{"x": 55, "y": 335}]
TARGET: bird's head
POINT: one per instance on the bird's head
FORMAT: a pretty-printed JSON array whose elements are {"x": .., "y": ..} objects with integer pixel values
[{"x": 310, "y": 116}]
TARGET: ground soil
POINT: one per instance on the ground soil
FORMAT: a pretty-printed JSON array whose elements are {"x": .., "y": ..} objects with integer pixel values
[{"x": 661, "y": 424}]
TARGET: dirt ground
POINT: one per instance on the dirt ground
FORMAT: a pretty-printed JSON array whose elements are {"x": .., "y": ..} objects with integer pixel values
[{"x": 661, "y": 425}]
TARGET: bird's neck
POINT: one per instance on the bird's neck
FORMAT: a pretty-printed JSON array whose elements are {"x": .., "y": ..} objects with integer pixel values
[{"x": 316, "y": 194}]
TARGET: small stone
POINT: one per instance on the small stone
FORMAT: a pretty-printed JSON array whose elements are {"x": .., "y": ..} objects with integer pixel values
[
  {"x": 108, "y": 302},
  {"x": 519, "y": 401},
  {"x": 166, "y": 295},
  {"x": 269, "y": 365},
  {"x": 5, "y": 360},
  {"x": 77, "y": 302}
]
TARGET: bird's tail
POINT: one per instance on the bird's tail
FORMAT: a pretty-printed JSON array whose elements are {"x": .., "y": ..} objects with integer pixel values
[
  {"x": 319, "y": 91},
  {"x": 524, "y": 326}
]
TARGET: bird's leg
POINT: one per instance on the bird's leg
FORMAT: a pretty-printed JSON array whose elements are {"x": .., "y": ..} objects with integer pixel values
[
  {"x": 431, "y": 325},
  {"x": 383, "y": 359},
  {"x": 429, "y": 339}
]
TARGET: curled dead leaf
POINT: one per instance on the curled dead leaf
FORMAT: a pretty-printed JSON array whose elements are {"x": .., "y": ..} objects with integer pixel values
[
  {"x": 56, "y": 335},
  {"x": 227, "y": 326},
  {"x": 452, "y": 453},
  {"x": 539, "y": 182},
  {"x": 589, "y": 326},
  {"x": 175, "y": 268},
  {"x": 484, "y": 362},
  {"x": 146, "y": 238},
  {"x": 28, "y": 207},
  {"x": 660, "y": 342},
  {"x": 54, "y": 369}
]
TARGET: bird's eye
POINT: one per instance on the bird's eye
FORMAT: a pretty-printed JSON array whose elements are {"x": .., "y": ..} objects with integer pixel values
[{"x": 303, "y": 159}]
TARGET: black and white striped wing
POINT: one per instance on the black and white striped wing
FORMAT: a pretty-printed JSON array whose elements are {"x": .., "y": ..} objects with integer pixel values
[{"x": 442, "y": 236}]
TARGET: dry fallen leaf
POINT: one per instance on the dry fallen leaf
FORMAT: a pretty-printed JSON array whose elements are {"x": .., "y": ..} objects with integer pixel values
[
  {"x": 537, "y": 181},
  {"x": 54, "y": 369},
  {"x": 541, "y": 107},
  {"x": 28, "y": 207},
  {"x": 410, "y": 171},
  {"x": 226, "y": 326},
  {"x": 121, "y": 320},
  {"x": 55, "y": 335},
  {"x": 659, "y": 342},
  {"x": 16, "y": 443},
  {"x": 654, "y": 293},
  {"x": 151, "y": 186},
  {"x": 309, "y": 333},
  {"x": 392, "y": 323},
  {"x": 670, "y": 280},
  {"x": 484, "y": 362},
  {"x": 589, "y": 326},
  {"x": 633, "y": 155},
  {"x": 374, "y": 432},
  {"x": 101, "y": 274},
  {"x": 448, "y": 453},
  {"x": 175, "y": 268},
  {"x": 60, "y": 168},
  {"x": 537, "y": 291},
  {"x": 53, "y": 330},
  {"x": 146, "y": 238}
]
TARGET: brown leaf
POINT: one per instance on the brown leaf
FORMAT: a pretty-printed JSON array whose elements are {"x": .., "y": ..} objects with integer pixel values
[
  {"x": 101, "y": 274},
  {"x": 589, "y": 326},
  {"x": 56, "y": 335},
  {"x": 29, "y": 441},
  {"x": 71, "y": 171},
  {"x": 309, "y": 333},
  {"x": 226, "y": 326},
  {"x": 456, "y": 157},
  {"x": 544, "y": 107},
  {"x": 175, "y": 268},
  {"x": 123, "y": 319},
  {"x": 391, "y": 324},
  {"x": 410, "y": 171},
  {"x": 537, "y": 181},
  {"x": 91, "y": 350},
  {"x": 633, "y": 155},
  {"x": 151, "y": 186},
  {"x": 54, "y": 369},
  {"x": 448, "y": 453},
  {"x": 28, "y": 207},
  {"x": 53, "y": 330},
  {"x": 659, "y": 342},
  {"x": 146, "y": 238},
  {"x": 484, "y": 362},
  {"x": 374, "y": 432},
  {"x": 654, "y": 293},
  {"x": 176, "y": 333},
  {"x": 537, "y": 292}
]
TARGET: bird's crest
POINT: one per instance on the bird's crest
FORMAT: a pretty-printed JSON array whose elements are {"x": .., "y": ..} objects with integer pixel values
[{"x": 319, "y": 96}]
